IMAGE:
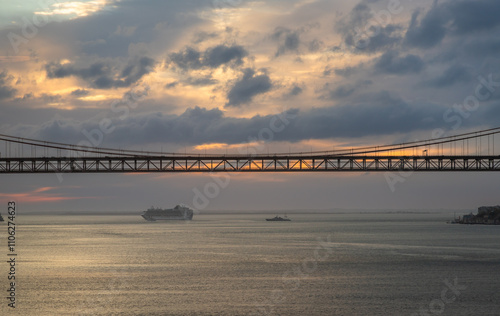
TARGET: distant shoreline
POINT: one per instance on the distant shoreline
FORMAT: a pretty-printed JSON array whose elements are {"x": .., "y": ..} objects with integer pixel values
[{"x": 258, "y": 212}]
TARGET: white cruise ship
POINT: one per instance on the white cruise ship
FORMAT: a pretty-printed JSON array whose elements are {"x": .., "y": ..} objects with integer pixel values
[{"x": 180, "y": 212}]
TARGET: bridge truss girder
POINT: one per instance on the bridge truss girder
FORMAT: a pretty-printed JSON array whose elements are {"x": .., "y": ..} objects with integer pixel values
[{"x": 249, "y": 164}]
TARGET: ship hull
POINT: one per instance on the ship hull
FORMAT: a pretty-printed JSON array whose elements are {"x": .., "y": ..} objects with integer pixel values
[
  {"x": 278, "y": 219},
  {"x": 166, "y": 218}
]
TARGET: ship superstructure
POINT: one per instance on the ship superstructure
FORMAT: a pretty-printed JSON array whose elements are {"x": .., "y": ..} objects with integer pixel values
[{"x": 180, "y": 212}]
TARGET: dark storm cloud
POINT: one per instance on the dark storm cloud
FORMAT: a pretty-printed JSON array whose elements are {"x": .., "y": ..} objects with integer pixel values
[
  {"x": 370, "y": 114},
  {"x": 247, "y": 87},
  {"x": 377, "y": 114},
  {"x": 364, "y": 34},
  {"x": 213, "y": 57},
  {"x": 61, "y": 130},
  {"x": 429, "y": 31},
  {"x": 483, "y": 47},
  {"x": 102, "y": 75},
  {"x": 471, "y": 16},
  {"x": 391, "y": 63},
  {"x": 451, "y": 76},
  {"x": 454, "y": 18},
  {"x": 6, "y": 91}
]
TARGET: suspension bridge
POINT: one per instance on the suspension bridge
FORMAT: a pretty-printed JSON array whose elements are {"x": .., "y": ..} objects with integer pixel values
[{"x": 468, "y": 152}]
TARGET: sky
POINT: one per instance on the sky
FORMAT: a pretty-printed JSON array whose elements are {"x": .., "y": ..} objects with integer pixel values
[{"x": 233, "y": 76}]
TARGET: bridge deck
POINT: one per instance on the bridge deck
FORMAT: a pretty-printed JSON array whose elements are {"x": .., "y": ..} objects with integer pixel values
[{"x": 302, "y": 163}]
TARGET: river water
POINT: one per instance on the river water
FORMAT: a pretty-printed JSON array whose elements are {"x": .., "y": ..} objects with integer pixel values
[{"x": 239, "y": 264}]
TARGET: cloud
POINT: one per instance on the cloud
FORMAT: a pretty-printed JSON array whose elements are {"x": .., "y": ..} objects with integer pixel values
[
  {"x": 221, "y": 55},
  {"x": 247, "y": 87},
  {"x": 43, "y": 99},
  {"x": 102, "y": 75},
  {"x": 344, "y": 72},
  {"x": 201, "y": 81},
  {"x": 289, "y": 41},
  {"x": 189, "y": 58},
  {"x": 391, "y": 63},
  {"x": 213, "y": 57},
  {"x": 50, "y": 98},
  {"x": 453, "y": 18},
  {"x": 473, "y": 16},
  {"x": 295, "y": 91},
  {"x": 346, "y": 90},
  {"x": 41, "y": 195},
  {"x": 429, "y": 31},
  {"x": 203, "y": 36},
  {"x": 171, "y": 85},
  {"x": 315, "y": 45},
  {"x": 363, "y": 34},
  {"x": 454, "y": 74},
  {"x": 482, "y": 47},
  {"x": 115, "y": 30},
  {"x": 369, "y": 114},
  {"x": 27, "y": 96},
  {"x": 80, "y": 92},
  {"x": 342, "y": 91},
  {"x": 6, "y": 91}
]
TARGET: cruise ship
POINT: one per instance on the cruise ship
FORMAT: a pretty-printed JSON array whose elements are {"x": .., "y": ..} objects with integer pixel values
[
  {"x": 278, "y": 219},
  {"x": 180, "y": 212}
]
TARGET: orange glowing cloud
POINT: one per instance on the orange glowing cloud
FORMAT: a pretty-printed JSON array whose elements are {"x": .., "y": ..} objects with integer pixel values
[{"x": 40, "y": 195}]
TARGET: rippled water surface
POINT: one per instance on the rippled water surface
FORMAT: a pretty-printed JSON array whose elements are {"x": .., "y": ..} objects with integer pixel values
[{"x": 334, "y": 264}]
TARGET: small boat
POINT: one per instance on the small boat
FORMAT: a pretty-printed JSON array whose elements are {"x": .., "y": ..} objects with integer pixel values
[
  {"x": 1, "y": 218},
  {"x": 278, "y": 219}
]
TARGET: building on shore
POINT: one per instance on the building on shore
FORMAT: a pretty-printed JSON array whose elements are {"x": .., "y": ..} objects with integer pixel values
[{"x": 486, "y": 215}]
